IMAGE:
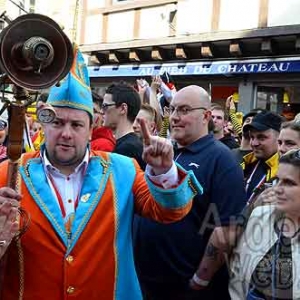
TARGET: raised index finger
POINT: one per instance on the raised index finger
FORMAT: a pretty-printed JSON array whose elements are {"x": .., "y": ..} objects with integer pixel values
[{"x": 144, "y": 131}]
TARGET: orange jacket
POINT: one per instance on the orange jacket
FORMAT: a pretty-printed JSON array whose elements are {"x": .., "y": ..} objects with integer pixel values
[{"x": 97, "y": 263}]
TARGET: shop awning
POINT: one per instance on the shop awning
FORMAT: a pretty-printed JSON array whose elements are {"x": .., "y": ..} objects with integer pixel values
[{"x": 225, "y": 67}]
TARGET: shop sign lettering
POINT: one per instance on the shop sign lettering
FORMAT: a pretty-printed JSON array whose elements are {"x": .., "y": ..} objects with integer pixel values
[{"x": 197, "y": 68}]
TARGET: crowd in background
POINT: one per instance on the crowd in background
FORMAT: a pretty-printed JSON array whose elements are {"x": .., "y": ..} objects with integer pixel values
[{"x": 240, "y": 239}]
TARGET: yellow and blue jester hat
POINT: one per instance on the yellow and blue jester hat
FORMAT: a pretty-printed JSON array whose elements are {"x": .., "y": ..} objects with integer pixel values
[{"x": 74, "y": 90}]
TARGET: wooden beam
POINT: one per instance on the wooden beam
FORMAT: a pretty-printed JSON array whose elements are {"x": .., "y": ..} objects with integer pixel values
[
  {"x": 130, "y": 5},
  {"x": 215, "y": 15},
  {"x": 113, "y": 57},
  {"x": 134, "y": 56},
  {"x": 172, "y": 23},
  {"x": 93, "y": 60},
  {"x": 235, "y": 49},
  {"x": 83, "y": 21},
  {"x": 266, "y": 46},
  {"x": 263, "y": 13},
  {"x": 206, "y": 51},
  {"x": 137, "y": 23},
  {"x": 156, "y": 54},
  {"x": 104, "y": 28},
  {"x": 180, "y": 52}
]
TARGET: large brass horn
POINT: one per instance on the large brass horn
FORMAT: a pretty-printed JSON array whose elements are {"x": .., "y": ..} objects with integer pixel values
[{"x": 34, "y": 52}]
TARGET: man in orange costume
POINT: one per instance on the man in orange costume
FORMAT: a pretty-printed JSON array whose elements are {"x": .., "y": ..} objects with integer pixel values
[{"x": 81, "y": 203}]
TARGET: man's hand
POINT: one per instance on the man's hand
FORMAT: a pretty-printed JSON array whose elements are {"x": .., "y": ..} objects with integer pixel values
[
  {"x": 158, "y": 152},
  {"x": 230, "y": 103},
  {"x": 142, "y": 85},
  {"x": 267, "y": 196},
  {"x": 156, "y": 82},
  {"x": 9, "y": 203}
]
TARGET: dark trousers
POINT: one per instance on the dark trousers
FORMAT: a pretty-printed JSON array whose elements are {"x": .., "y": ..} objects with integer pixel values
[
  {"x": 217, "y": 290},
  {"x": 170, "y": 292}
]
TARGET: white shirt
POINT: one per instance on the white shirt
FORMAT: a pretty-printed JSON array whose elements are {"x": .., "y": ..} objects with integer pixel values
[{"x": 69, "y": 186}]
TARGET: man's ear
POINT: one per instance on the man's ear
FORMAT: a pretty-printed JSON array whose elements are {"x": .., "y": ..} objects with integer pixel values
[
  {"x": 153, "y": 127},
  {"x": 90, "y": 133},
  {"x": 207, "y": 115},
  {"x": 124, "y": 108}
]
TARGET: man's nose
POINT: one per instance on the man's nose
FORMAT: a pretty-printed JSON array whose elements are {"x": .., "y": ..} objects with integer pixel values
[
  {"x": 173, "y": 116},
  {"x": 66, "y": 131},
  {"x": 135, "y": 124},
  {"x": 282, "y": 148},
  {"x": 254, "y": 142},
  {"x": 278, "y": 188}
]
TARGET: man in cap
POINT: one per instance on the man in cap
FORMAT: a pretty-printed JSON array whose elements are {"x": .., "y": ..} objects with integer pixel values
[
  {"x": 81, "y": 203},
  {"x": 260, "y": 166},
  {"x": 245, "y": 147}
]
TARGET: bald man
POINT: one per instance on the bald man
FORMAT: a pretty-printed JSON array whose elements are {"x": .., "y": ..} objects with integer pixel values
[{"x": 167, "y": 258}]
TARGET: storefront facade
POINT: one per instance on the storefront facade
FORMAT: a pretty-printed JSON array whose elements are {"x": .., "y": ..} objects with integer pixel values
[
  {"x": 268, "y": 83},
  {"x": 249, "y": 48}
]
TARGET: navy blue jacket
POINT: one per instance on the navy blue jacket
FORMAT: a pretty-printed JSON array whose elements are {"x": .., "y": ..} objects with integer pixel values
[{"x": 172, "y": 252}]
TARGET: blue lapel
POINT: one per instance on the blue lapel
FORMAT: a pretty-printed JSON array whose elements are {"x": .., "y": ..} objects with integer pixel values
[
  {"x": 93, "y": 186},
  {"x": 35, "y": 179},
  {"x": 91, "y": 193}
]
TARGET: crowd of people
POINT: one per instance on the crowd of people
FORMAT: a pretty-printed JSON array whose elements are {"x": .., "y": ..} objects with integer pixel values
[{"x": 151, "y": 193}]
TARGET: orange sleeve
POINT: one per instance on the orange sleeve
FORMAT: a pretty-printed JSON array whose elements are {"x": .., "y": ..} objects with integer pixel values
[{"x": 152, "y": 201}]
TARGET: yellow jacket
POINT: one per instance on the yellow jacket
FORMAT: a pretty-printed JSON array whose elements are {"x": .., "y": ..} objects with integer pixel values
[{"x": 272, "y": 164}]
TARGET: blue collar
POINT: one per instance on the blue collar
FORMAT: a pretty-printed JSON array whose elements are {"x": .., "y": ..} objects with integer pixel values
[{"x": 198, "y": 145}]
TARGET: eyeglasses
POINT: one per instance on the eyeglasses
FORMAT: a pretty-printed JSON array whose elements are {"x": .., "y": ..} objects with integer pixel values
[
  {"x": 183, "y": 110},
  {"x": 105, "y": 106}
]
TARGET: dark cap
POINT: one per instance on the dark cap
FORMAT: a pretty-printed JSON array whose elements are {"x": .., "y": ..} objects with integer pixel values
[
  {"x": 253, "y": 113},
  {"x": 264, "y": 121}
]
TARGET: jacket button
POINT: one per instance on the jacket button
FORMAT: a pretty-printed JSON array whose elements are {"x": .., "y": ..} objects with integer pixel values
[
  {"x": 70, "y": 290},
  {"x": 70, "y": 259}
]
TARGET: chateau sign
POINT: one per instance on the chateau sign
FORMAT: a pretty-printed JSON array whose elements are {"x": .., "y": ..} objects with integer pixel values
[{"x": 198, "y": 68}]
